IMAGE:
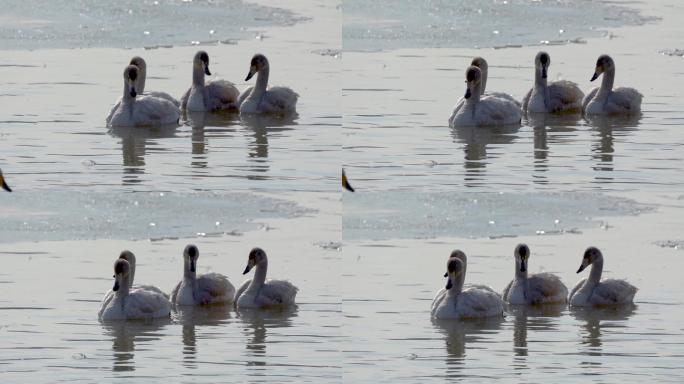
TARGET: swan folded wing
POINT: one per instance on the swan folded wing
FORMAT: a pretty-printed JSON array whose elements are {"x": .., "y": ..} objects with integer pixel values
[
  {"x": 244, "y": 95},
  {"x": 105, "y": 302},
  {"x": 565, "y": 96},
  {"x": 215, "y": 288},
  {"x": 152, "y": 288},
  {"x": 112, "y": 111},
  {"x": 475, "y": 302},
  {"x": 150, "y": 110},
  {"x": 588, "y": 97},
  {"x": 242, "y": 289},
  {"x": 437, "y": 301},
  {"x": 624, "y": 100},
  {"x": 613, "y": 292},
  {"x": 174, "y": 292},
  {"x": 546, "y": 288},
  {"x": 497, "y": 111},
  {"x": 504, "y": 95},
  {"x": 456, "y": 110},
  {"x": 507, "y": 290},
  {"x": 142, "y": 304},
  {"x": 526, "y": 100},
  {"x": 279, "y": 99},
  {"x": 163, "y": 95},
  {"x": 278, "y": 292},
  {"x": 221, "y": 94},
  {"x": 576, "y": 288}
]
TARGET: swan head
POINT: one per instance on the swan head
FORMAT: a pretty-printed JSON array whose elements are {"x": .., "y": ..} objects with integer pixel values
[
  {"x": 139, "y": 62},
  {"x": 128, "y": 256},
  {"x": 121, "y": 270},
  {"x": 454, "y": 269},
  {"x": 542, "y": 62},
  {"x": 258, "y": 63},
  {"x": 591, "y": 255},
  {"x": 473, "y": 78},
  {"x": 201, "y": 61},
  {"x": 3, "y": 183},
  {"x": 481, "y": 63},
  {"x": 522, "y": 254},
  {"x": 603, "y": 64},
  {"x": 457, "y": 253},
  {"x": 130, "y": 77},
  {"x": 190, "y": 256},
  {"x": 256, "y": 257}
]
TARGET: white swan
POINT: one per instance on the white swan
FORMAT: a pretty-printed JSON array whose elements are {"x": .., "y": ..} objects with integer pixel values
[
  {"x": 608, "y": 101},
  {"x": 478, "y": 110},
  {"x": 555, "y": 97},
  {"x": 134, "y": 110},
  {"x": 260, "y": 293},
  {"x": 142, "y": 76},
  {"x": 594, "y": 291},
  {"x": 456, "y": 303},
  {"x": 215, "y": 95},
  {"x": 210, "y": 288},
  {"x": 3, "y": 183},
  {"x": 130, "y": 257},
  {"x": 539, "y": 288},
  {"x": 481, "y": 63},
  {"x": 258, "y": 99},
  {"x": 132, "y": 303}
]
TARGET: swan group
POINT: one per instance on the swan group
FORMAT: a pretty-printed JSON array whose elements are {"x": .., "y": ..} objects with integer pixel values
[
  {"x": 139, "y": 108},
  {"x": 126, "y": 301},
  {"x": 458, "y": 301},
  {"x": 480, "y": 108}
]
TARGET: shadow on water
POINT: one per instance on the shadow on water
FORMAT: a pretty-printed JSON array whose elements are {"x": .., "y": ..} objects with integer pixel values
[
  {"x": 257, "y": 325},
  {"x": 134, "y": 143},
  {"x": 260, "y": 127},
  {"x": 560, "y": 126},
  {"x": 127, "y": 334},
  {"x": 595, "y": 321},
  {"x": 606, "y": 128},
  {"x": 476, "y": 140},
  {"x": 192, "y": 316},
  {"x": 458, "y": 334},
  {"x": 535, "y": 318},
  {"x": 202, "y": 123}
]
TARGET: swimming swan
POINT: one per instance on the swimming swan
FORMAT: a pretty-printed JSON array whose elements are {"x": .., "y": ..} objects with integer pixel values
[
  {"x": 258, "y": 99},
  {"x": 132, "y": 303},
  {"x": 480, "y": 110},
  {"x": 456, "y": 303},
  {"x": 593, "y": 291},
  {"x": 558, "y": 96},
  {"x": 210, "y": 288},
  {"x": 142, "y": 76},
  {"x": 215, "y": 95},
  {"x": 539, "y": 288},
  {"x": 259, "y": 292},
  {"x": 3, "y": 183},
  {"x": 608, "y": 101},
  {"x": 135, "y": 110},
  {"x": 481, "y": 63}
]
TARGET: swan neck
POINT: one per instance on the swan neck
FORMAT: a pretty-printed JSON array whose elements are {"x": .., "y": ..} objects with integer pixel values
[
  {"x": 457, "y": 282},
  {"x": 608, "y": 80},
  {"x": 259, "y": 275},
  {"x": 539, "y": 81},
  {"x": 519, "y": 275},
  {"x": 261, "y": 82},
  {"x": 198, "y": 76},
  {"x": 126, "y": 92},
  {"x": 475, "y": 93},
  {"x": 123, "y": 289},
  {"x": 131, "y": 275},
  {"x": 596, "y": 271},
  {"x": 140, "y": 85},
  {"x": 483, "y": 83},
  {"x": 188, "y": 273}
]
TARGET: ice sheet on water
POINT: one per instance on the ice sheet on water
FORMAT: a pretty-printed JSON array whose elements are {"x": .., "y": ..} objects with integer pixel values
[
  {"x": 35, "y": 24},
  {"x": 69, "y": 215},
  {"x": 400, "y": 214}
]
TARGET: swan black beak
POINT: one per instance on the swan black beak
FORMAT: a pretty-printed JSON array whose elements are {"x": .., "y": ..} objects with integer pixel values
[
  {"x": 449, "y": 285},
  {"x": 206, "y": 70},
  {"x": 249, "y": 75},
  {"x": 544, "y": 74},
  {"x": 345, "y": 182},
  {"x": 247, "y": 269},
  {"x": 4, "y": 185},
  {"x": 133, "y": 93},
  {"x": 596, "y": 75},
  {"x": 446, "y": 274},
  {"x": 193, "y": 266},
  {"x": 467, "y": 94},
  {"x": 523, "y": 266},
  {"x": 116, "y": 286},
  {"x": 581, "y": 268}
]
